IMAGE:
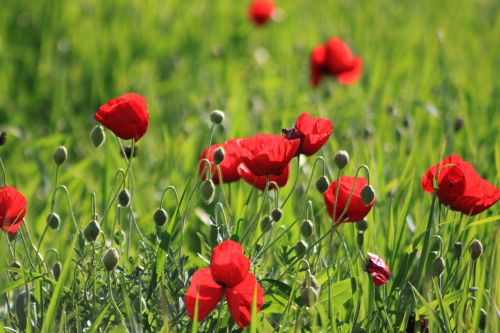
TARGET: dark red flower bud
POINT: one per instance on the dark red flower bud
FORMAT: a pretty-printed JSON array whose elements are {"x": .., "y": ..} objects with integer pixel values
[{"x": 378, "y": 269}]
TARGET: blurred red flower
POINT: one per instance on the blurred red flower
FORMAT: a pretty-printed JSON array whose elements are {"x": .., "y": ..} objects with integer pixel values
[
  {"x": 459, "y": 186},
  {"x": 228, "y": 167},
  {"x": 12, "y": 209},
  {"x": 228, "y": 275},
  {"x": 261, "y": 11},
  {"x": 312, "y": 132},
  {"x": 126, "y": 116},
  {"x": 356, "y": 210},
  {"x": 260, "y": 181},
  {"x": 267, "y": 154},
  {"x": 378, "y": 269},
  {"x": 335, "y": 58}
]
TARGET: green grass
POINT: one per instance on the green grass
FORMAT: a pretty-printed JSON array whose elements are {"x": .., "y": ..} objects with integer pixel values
[{"x": 60, "y": 60}]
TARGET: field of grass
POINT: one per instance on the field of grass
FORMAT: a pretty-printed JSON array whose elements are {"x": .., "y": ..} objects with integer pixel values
[{"x": 426, "y": 64}]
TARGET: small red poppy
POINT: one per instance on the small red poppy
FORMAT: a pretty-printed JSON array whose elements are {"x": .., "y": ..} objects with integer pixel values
[
  {"x": 261, "y": 11},
  {"x": 459, "y": 186},
  {"x": 312, "y": 132},
  {"x": 126, "y": 116},
  {"x": 228, "y": 167},
  {"x": 335, "y": 58},
  {"x": 12, "y": 209},
  {"x": 260, "y": 181},
  {"x": 267, "y": 154},
  {"x": 228, "y": 275},
  {"x": 378, "y": 269},
  {"x": 356, "y": 210}
]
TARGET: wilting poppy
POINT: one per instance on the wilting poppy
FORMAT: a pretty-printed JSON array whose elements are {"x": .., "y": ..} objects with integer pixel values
[
  {"x": 261, "y": 11},
  {"x": 229, "y": 274},
  {"x": 312, "y": 132},
  {"x": 335, "y": 58},
  {"x": 459, "y": 186},
  {"x": 126, "y": 116},
  {"x": 260, "y": 181},
  {"x": 267, "y": 154},
  {"x": 356, "y": 210},
  {"x": 12, "y": 209},
  {"x": 378, "y": 269},
  {"x": 228, "y": 167}
]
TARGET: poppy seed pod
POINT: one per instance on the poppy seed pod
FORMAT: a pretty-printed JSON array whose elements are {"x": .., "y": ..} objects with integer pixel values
[
  {"x": 322, "y": 184},
  {"x": 60, "y": 155},
  {"x": 367, "y": 194},
  {"x": 475, "y": 249},
  {"x": 97, "y": 136},
  {"x": 110, "y": 259},
  {"x": 309, "y": 296},
  {"x": 306, "y": 228},
  {"x": 160, "y": 217},
  {"x": 124, "y": 198},
  {"x": 458, "y": 246},
  {"x": 219, "y": 155},
  {"x": 438, "y": 266},
  {"x": 3, "y": 138},
  {"x": 92, "y": 231},
  {"x": 341, "y": 159},
  {"x": 265, "y": 224},
  {"x": 276, "y": 214},
  {"x": 362, "y": 225},
  {"x": 207, "y": 191},
  {"x": 216, "y": 117},
  {"x": 54, "y": 221},
  {"x": 300, "y": 248},
  {"x": 56, "y": 270}
]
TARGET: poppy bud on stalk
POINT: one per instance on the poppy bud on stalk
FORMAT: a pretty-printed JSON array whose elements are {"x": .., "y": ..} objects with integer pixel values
[
  {"x": 367, "y": 194},
  {"x": 265, "y": 224},
  {"x": 17, "y": 265},
  {"x": 216, "y": 117},
  {"x": 160, "y": 217},
  {"x": 276, "y": 214},
  {"x": 219, "y": 155},
  {"x": 438, "y": 266},
  {"x": 341, "y": 159},
  {"x": 306, "y": 228},
  {"x": 475, "y": 249},
  {"x": 300, "y": 248},
  {"x": 207, "y": 191},
  {"x": 483, "y": 316},
  {"x": 60, "y": 155},
  {"x": 124, "y": 198},
  {"x": 3, "y": 138},
  {"x": 92, "y": 231},
  {"x": 458, "y": 249},
  {"x": 322, "y": 184},
  {"x": 309, "y": 296},
  {"x": 56, "y": 270},
  {"x": 97, "y": 136},
  {"x": 110, "y": 259},
  {"x": 54, "y": 221}
]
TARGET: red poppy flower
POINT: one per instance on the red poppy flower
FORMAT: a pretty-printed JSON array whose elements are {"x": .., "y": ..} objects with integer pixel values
[
  {"x": 260, "y": 181},
  {"x": 335, "y": 58},
  {"x": 228, "y": 167},
  {"x": 459, "y": 186},
  {"x": 312, "y": 132},
  {"x": 356, "y": 210},
  {"x": 228, "y": 275},
  {"x": 261, "y": 11},
  {"x": 12, "y": 209},
  {"x": 378, "y": 269},
  {"x": 267, "y": 154},
  {"x": 126, "y": 116}
]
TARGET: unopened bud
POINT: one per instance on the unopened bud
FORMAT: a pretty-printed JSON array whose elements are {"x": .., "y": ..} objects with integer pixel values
[
  {"x": 91, "y": 232},
  {"x": 483, "y": 317},
  {"x": 341, "y": 159},
  {"x": 360, "y": 238},
  {"x": 124, "y": 198},
  {"x": 265, "y": 224},
  {"x": 110, "y": 259},
  {"x": 459, "y": 123},
  {"x": 310, "y": 281},
  {"x": 300, "y": 248},
  {"x": 475, "y": 249},
  {"x": 306, "y": 228},
  {"x": 3, "y": 138},
  {"x": 367, "y": 195},
  {"x": 160, "y": 217},
  {"x": 458, "y": 249},
  {"x": 97, "y": 136},
  {"x": 54, "y": 221},
  {"x": 322, "y": 184},
  {"x": 276, "y": 214},
  {"x": 207, "y": 191},
  {"x": 309, "y": 296},
  {"x": 56, "y": 270},
  {"x": 216, "y": 117},
  {"x": 438, "y": 266},
  {"x": 218, "y": 155},
  {"x": 362, "y": 225},
  {"x": 60, "y": 155},
  {"x": 15, "y": 264},
  {"x": 119, "y": 237}
]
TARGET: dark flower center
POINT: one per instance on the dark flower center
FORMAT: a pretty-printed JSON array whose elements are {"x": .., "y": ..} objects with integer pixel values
[{"x": 223, "y": 285}]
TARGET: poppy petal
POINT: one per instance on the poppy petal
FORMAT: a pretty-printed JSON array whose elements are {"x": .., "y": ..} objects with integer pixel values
[
  {"x": 240, "y": 299},
  {"x": 352, "y": 75},
  {"x": 12, "y": 209},
  {"x": 228, "y": 264},
  {"x": 260, "y": 181},
  {"x": 208, "y": 292}
]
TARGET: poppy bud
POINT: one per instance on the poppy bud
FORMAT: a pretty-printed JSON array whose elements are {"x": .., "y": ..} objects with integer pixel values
[
  {"x": 362, "y": 225},
  {"x": 276, "y": 214},
  {"x": 367, "y": 195},
  {"x": 60, "y": 155},
  {"x": 119, "y": 237},
  {"x": 110, "y": 259},
  {"x": 127, "y": 152},
  {"x": 97, "y": 136},
  {"x": 458, "y": 249},
  {"x": 91, "y": 232},
  {"x": 483, "y": 316},
  {"x": 124, "y": 198},
  {"x": 438, "y": 266},
  {"x": 407, "y": 121},
  {"x": 56, "y": 270},
  {"x": 300, "y": 248},
  {"x": 360, "y": 238},
  {"x": 17, "y": 265},
  {"x": 214, "y": 234},
  {"x": 475, "y": 249},
  {"x": 310, "y": 281},
  {"x": 207, "y": 191},
  {"x": 160, "y": 217},
  {"x": 219, "y": 155},
  {"x": 21, "y": 304},
  {"x": 265, "y": 224},
  {"x": 459, "y": 122},
  {"x": 309, "y": 296},
  {"x": 306, "y": 228},
  {"x": 216, "y": 117},
  {"x": 3, "y": 138},
  {"x": 322, "y": 184},
  {"x": 12, "y": 237},
  {"x": 341, "y": 159},
  {"x": 54, "y": 221}
]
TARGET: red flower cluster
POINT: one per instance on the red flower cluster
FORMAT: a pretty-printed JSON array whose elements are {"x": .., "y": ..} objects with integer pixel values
[
  {"x": 312, "y": 132},
  {"x": 356, "y": 210},
  {"x": 459, "y": 186},
  {"x": 261, "y": 11},
  {"x": 334, "y": 58},
  {"x": 12, "y": 209},
  {"x": 126, "y": 116},
  {"x": 378, "y": 269},
  {"x": 229, "y": 274}
]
